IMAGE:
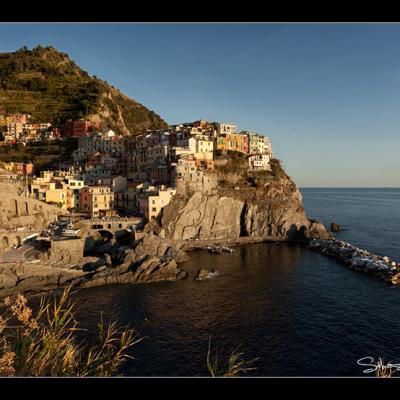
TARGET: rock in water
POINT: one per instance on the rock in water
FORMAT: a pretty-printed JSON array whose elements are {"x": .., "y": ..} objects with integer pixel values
[
  {"x": 335, "y": 227},
  {"x": 204, "y": 273}
]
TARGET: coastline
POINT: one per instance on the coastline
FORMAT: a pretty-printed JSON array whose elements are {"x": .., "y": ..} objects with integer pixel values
[
  {"x": 191, "y": 245},
  {"x": 34, "y": 278},
  {"x": 155, "y": 259}
]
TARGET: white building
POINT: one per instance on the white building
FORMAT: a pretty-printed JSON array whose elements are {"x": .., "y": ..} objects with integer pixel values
[
  {"x": 224, "y": 129},
  {"x": 259, "y": 162}
]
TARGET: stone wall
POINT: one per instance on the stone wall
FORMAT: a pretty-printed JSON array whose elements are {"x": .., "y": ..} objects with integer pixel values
[
  {"x": 20, "y": 211},
  {"x": 63, "y": 252},
  {"x": 21, "y": 216},
  {"x": 206, "y": 185},
  {"x": 9, "y": 239}
]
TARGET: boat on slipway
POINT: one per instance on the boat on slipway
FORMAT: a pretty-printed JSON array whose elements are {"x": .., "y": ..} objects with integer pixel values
[{"x": 70, "y": 232}]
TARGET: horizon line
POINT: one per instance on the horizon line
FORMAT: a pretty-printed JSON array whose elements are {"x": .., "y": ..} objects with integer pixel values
[{"x": 349, "y": 187}]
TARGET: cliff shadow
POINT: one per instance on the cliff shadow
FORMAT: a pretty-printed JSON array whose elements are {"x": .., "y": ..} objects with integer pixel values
[{"x": 243, "y": 229}]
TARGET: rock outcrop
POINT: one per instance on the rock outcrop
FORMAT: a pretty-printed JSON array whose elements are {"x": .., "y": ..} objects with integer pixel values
[
  {"x": 205, "y": 273},
  {"x": 202, "y": 216},
  {"x": 274, "y": 211},
  {"x": 91, "y": 271},
  {"x": 154, "y": 245},
  {"x": 152, "y": 259},
  {"x": 335, "y": 227}
]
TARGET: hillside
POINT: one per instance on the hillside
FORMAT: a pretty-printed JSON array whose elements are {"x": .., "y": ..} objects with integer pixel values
[
  {"x": 43, "y": 155},
  {"x": 48, "y": 85}
]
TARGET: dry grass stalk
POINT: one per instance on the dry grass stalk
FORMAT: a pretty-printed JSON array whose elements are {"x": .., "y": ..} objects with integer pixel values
[
  {"x": 384, "y": 371},
  {"x": 45, "y": 344},
  {"x": 234, "y": 366}
]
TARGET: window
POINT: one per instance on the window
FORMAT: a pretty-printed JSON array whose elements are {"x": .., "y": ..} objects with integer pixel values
[{"x": 154, "y": 209}]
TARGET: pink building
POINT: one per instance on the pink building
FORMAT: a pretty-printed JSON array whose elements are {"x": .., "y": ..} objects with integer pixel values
[{"x": 78, "y": 128}]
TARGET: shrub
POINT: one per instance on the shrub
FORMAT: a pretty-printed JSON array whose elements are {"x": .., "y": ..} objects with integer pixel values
[
  {"x": 45, "y": 344},
  {"x": 218, "y": 153}
]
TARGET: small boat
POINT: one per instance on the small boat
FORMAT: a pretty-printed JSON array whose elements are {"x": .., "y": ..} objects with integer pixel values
[
  {"x": 70, "y": 232},
  {"x": 30, "y": 237},
  {"x": 215, "y": 250}
]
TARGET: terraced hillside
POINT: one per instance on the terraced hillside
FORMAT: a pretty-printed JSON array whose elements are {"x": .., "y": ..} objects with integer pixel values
[{"x": 48, "y": 85}]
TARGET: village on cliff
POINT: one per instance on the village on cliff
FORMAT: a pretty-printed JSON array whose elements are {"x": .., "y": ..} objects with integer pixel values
[
  {"x": 112, "y": 175},
  {"x": 75, "y": 224}
]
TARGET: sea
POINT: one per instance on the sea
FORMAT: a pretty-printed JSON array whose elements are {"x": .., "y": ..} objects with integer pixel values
[{"x": 291, "y": 311}]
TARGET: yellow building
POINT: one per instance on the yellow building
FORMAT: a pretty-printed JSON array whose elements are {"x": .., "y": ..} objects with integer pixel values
[
  {"x": 38, "y": 190},
  {"x": 57, "y": 195},
  {"x": 74, "y": 189},
  {"x": 45, "y": 176},
  {"x": 97, "y": 200},
  {"x": 222, "y": 143},
  {"x": 65, "y": 192},
  {"x": 15, "y": 129},
  {"x": 152, "y": 200}
]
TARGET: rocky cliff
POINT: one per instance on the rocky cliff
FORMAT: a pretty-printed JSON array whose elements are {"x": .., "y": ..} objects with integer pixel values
[{"x": 245, "y": 204}]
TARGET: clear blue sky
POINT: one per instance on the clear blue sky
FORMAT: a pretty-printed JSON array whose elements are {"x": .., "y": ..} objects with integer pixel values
[{"x": 327, "y": 95}]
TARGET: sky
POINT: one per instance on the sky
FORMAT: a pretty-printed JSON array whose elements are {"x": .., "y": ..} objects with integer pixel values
[{"x": 327, "y": 95}]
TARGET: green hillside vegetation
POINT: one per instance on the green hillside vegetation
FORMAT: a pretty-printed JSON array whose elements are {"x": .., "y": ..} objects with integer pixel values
[
  {"x": 43, "y": 155},
  {"x": 48, "y": 85},
  {"x": 235, "y": 172}
]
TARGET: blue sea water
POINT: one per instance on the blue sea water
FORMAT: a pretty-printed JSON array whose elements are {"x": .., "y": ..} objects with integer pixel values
[
  {"x": 371, "y": 216},
  {"x": 300, "y": 313}
]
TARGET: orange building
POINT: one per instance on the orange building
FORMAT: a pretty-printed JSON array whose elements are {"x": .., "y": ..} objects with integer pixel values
[{"x": 233, "y": 141}]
